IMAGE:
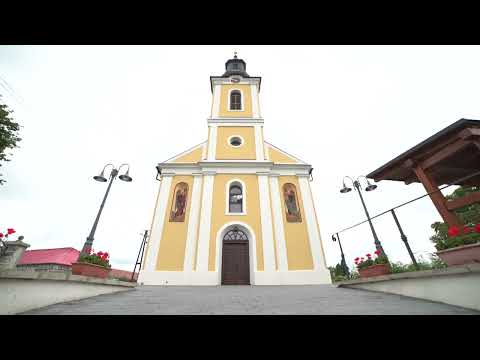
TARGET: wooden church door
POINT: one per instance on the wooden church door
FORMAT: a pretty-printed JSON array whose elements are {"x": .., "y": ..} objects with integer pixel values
[{"x": 235, "y": 258}]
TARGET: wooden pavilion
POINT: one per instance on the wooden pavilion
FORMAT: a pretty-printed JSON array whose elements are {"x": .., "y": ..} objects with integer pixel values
[{"x": 448, "y": 157}]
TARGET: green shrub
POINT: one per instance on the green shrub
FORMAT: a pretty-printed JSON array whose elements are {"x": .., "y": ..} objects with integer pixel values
[
  {"x": 338, "y": 273},
  {"x": 434, "y": 263}
]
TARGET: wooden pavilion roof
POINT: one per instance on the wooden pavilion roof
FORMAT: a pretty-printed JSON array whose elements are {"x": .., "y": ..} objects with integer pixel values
[{"x": 447, "y": 156}]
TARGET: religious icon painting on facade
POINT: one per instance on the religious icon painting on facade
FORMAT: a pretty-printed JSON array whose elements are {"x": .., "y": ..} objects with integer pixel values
[
  {"x": 291, "y": 203},
  {"x": 179, "y": 204}
]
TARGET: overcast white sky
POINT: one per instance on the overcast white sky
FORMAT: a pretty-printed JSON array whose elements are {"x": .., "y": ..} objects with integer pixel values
[{"x": 344, "y": 109}]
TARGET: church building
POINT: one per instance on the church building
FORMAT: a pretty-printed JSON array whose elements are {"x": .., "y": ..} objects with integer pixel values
[{"x": 234, "y": 209}]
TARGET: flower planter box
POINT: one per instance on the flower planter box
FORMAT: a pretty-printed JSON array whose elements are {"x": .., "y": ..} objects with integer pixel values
[
  {"x": 87, "y": 269},
  {"x": 461, "y": 254},
  {"x": 375, "y": 270}
]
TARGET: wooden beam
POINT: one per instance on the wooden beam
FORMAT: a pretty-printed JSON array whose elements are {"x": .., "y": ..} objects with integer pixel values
[
  {"x": 437, "y": 197},
  {"x": 444, "y": 153},
  {"x": 468, "y": 133},
  {"x": 409, "y": 164},
  {"x": 471, "y": 198},
  {"x": 411, "y": 180},
  {"x": 444, "y": 174}
]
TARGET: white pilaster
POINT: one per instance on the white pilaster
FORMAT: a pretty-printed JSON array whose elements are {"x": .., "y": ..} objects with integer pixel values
[
  {"x": 255, "y": 111},
  {"x": 193, "y": 223},
  {"x": 216, "y": 101},
  {"x": 212, "y": 144},
  {"x": 265, "y": 151},
  {"x": 278, "y": 224},
  {"x": 204, "y": 151},
  {"x": 158, "y": 221},
  {"x": 313, "y": 235},
  {"x": 204, "y": 231},
  {"x": 266, "y": 221},
  {"x": 259, "y": 143}
]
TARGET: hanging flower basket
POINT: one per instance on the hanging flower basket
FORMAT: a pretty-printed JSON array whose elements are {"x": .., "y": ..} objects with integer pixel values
[
  {"x": 372, "y": 267},
  {"x": 93, "y": 264}
]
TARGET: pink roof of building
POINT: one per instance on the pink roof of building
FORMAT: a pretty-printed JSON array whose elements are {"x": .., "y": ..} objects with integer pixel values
[{"x": 61, "y": 256}]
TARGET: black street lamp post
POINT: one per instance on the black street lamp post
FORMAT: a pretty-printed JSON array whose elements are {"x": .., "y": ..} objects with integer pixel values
[
  {"x": 113, "y": 174},
  {"x": 370, "y": 187},
  {"x": 343, "y": 262}
]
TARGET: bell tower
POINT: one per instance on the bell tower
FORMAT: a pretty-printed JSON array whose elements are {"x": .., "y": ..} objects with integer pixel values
[{"x": 235, "y": 125}]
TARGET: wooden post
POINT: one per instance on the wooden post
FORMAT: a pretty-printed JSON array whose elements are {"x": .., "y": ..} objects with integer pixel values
[{"x": 437, "y": 197}]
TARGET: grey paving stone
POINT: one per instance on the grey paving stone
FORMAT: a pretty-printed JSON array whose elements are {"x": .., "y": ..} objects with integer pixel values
[{"x": 202, "y": 300}]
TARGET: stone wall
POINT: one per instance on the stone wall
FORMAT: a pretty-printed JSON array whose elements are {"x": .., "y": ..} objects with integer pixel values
[
  {"x": 456, "y": 285},
  {"x": 26, "y": 290},
  {"x": 13, "y": 253}
]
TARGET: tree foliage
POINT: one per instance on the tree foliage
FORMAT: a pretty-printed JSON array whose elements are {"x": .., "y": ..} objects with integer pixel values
[{"x": 8, "y": 134}]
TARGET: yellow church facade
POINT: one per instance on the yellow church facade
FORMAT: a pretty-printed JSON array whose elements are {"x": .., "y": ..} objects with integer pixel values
[{"x": 234, "y": 209}]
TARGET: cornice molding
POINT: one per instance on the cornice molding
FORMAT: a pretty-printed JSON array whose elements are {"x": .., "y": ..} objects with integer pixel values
[
  {"x": 236, "y": 164},
  {"x": 227, "y": 120},
  {"x": 219, "y": 80},
  {"x": 292, "y": 167}
]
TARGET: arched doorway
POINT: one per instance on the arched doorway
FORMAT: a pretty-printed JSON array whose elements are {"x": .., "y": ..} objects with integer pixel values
[{"x": 235, "y": 257}]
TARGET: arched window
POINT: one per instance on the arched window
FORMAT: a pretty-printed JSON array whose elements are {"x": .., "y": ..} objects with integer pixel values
[
  {"x": 235, "y": 234},
  {"x": 179, "y": 203},
  {"x": 235, "y": 198},
  {"x": 292, "y": 209},
  {"x": 235, "y": 100}
]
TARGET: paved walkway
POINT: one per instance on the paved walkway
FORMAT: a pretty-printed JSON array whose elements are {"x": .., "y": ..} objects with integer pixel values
[{"x": 314, "y": 299}]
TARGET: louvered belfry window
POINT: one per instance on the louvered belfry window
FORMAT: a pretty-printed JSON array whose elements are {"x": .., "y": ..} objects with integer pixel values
[
  {"x": 235, "y": 100},
  {"x": 235, "y": 201}
]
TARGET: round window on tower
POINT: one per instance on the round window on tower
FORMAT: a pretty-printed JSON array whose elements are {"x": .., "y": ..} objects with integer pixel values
[{"x": 235, "y": 141}]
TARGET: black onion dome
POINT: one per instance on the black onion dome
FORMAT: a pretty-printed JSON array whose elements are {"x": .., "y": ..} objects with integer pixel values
[{"x": 235, "y": 66}]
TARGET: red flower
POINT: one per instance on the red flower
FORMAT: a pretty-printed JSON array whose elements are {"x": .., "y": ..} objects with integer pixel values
[
  {"x": 467, "y": 229},
  {"x": 100, "y": 253},
  {"x": 377, "y": 252},
  {"x": 1, "y": 235},
  {"x": 10, "y": 231},
  {"x": 477, "y": 228},
  {"x": 453, "y": 231},
  {"x": 106, "y": 254},
  {"x": 369, "y": 256},
  {"x": 357, "y": 258}
]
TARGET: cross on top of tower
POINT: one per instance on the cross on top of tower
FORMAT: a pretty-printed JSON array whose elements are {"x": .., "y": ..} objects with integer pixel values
[{"x": 234, "y": 54}]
